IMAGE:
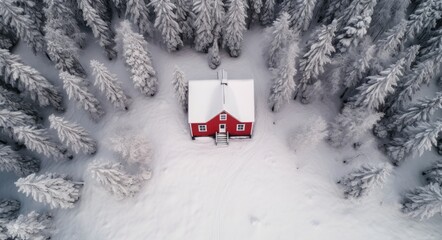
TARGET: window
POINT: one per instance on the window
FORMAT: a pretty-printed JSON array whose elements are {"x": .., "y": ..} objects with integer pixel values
[
  {"x": 240, "y": 127},
  {"x": 202, "y": 128},
  {"x": 223, "y": 117}
]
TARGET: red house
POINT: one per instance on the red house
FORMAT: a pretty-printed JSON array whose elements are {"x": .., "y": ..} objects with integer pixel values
[{"x": 221, "y": 108}]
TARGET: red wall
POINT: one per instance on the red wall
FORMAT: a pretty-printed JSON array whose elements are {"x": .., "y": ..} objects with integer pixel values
[{"x": 213, "y": 127}]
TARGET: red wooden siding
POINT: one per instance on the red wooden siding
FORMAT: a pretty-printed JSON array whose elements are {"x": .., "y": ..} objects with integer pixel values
[{"x": 213, "y": 127}]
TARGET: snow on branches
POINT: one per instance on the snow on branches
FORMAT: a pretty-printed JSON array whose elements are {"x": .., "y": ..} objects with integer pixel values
[
  {"x": 423, "y": 202},
  {"x": 33, "y": 226},
  {"x": 51, "y": 189}
]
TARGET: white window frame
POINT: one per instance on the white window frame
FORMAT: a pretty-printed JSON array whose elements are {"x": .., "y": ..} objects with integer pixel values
[
  {"x": 223, "y": 117},
  {"x": 238, "y": 127},
  {"x": 202, "y": 128}
]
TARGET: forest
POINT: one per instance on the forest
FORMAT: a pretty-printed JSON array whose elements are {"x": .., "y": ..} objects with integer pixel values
[{"x": 380, "y": 60}]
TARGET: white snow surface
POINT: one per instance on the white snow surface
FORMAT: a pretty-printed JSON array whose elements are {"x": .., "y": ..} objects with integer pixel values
[
  {"x": 208, "y": 98},
  {"x": 253, "y": 189}
]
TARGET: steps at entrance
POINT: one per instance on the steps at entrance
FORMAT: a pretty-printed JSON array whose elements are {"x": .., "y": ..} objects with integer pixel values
[{"x": 222, "y": 139}]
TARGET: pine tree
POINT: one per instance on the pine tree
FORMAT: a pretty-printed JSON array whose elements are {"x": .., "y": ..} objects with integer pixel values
[
  {"x": 8, "y": 39},
  {"x": 280, "y": 36},
  {"x": 360, "y": 182},
  {"x": 392, "y": 39},
  {"x": 434, "y": 174},
  {"x": 37, "y": 140},
  {"x": 138, "y": 13},
  {"x": 137, "y": 58},
  {"x": 133, "y": 149},
  {"x": 166, "y": 23},
  {"x": 10, "y": 119},
  {"x": 416, "y": 139},
  {"x": 103, "y": 8},
  {"x": 116, "y": 180},
  {"x": 424, "y": 18},
  {"x": 14, "y": 102},
  {"x": 31, "y": 226},
  {"x": 350, "y": 125},
  {"x": 51, "y": 189},
  {"x": 108, "y": 84},
  {"x": 77, "y": 90},
  {"x": 318, "y": 54},
  {"x": 61, "y": 15},
  {"x": 386, "y": 15},
  {"x": 213, "y": 57},
  {"x": 433, "y": 49},
  {"x": 63, "y": 51},
  {"x": 218, "y": 16},
  {"x": 185, "y": 18},
  {"x": 203, "y": 24},
  {"x": 25, "y": 27},
  {"x": 302, "y": 15},
  {"x": 100, "y": 28},
  {"x": 255, "y": 8},
  {"x": 268, "y": 12},
  {"x": 234, "y": 27},
  {"x": 9, "y": 209},
  {"x": 335, "y": 9},
  {"x": 73, "y": 135},
  {"x": 309, "y": 135},
  {"x": 120, "y": 6},
  {"x": 420, "y": 74},
  {"x": 29, "y": 80},
  {"x": 284, "y": 84},
  {"x": 13, "y": 161},
  {"x": 357, "y": 8},
  {"x": 423, "y": 202},
  {"x": 181, "y": 87},
  {"x": 372, "y": 94},
  {"x": 353, "y": 33}
]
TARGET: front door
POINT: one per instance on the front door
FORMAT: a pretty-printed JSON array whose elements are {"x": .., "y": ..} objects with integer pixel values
[{"x": 222, "y": 128}]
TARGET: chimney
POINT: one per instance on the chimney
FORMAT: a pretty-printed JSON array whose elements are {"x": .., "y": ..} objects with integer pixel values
[{"x": 222, "y": 76}]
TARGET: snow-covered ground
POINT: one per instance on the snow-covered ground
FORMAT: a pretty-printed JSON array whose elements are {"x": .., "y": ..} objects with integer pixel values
[{"x": 252, "y": 189}]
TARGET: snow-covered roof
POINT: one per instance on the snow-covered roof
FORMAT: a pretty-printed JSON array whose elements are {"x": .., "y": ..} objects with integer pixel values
[{"x": 207, "y": 98}]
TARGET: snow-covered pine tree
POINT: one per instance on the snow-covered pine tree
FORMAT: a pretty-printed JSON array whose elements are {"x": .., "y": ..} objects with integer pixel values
[
  {"x": 29, "y": 80},
  {"x": 386, "y": 15},
  {"x": 352, "y": 33},
  {"x": 213, "y": 56},
  {"x": 133, "y": 149},
  {"x": 73, "y": 135},
  {"x": 61, "y": 15},
  {"x": 100, "y": 28},
  {"x": 137, "y": 58},
  {"x": 319, "y": 50},
  {"x": 416, "y": 139},
  {"x": 31, "y": 226},
  {"x": 280, "y": 36},
  {"x": 420, "y": 74},
  {"x": 334, "y": 10},
  {"x": 434, "y": 174},
  {"x": 63, "y": 51},
  {"x": 361, "y": 181},
  {"x": 218, "y": 16},
  {"x": 372, "y": 94},
  {"x": 392, "y": 39},
  {"x": 10, "y": 119},
  {"x": 423, "y": 202},
  {"x": 424, "y": 18},
  {"x": 77, "y": 90},
  {"x": 309, "y": 135},
  {"x": 268, "y": 12},
  {"x": 361, "y": 8},
  {"x": 185, "y": 18},
  {"x": 181, "y": 87},
  {"x": 9, "y": 209},
  {"x": 421, "y": 111},
  {"x": 410, "y": 56},
  {"x": 203, "y": 24},
  {"x": 234, "y": 26},
  {"x": 283, "y": 83},
  {"x": 433, "y": 49},
  {"x": 350, "y": 125},
  {"x": 108, "y": 84},
  {"x": 13, "y": 161},
  {"x": 25, "y": 27},
  {"x": 255, "y": 9},
  {"x": 8, "y": 39},
  {"x": 51, "y": 189},
  {"x": 138, "y": 13},
  {"x": 37, "y": 140},
  {"x": 166, "y": 23},
  {"x": 302, "y": 15},
  {"x": 116, "y": 180},
  {"x": 120, "y": 6},
  {"x": 34, "y": 9},
  {"x": 14, "y": 102}
]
